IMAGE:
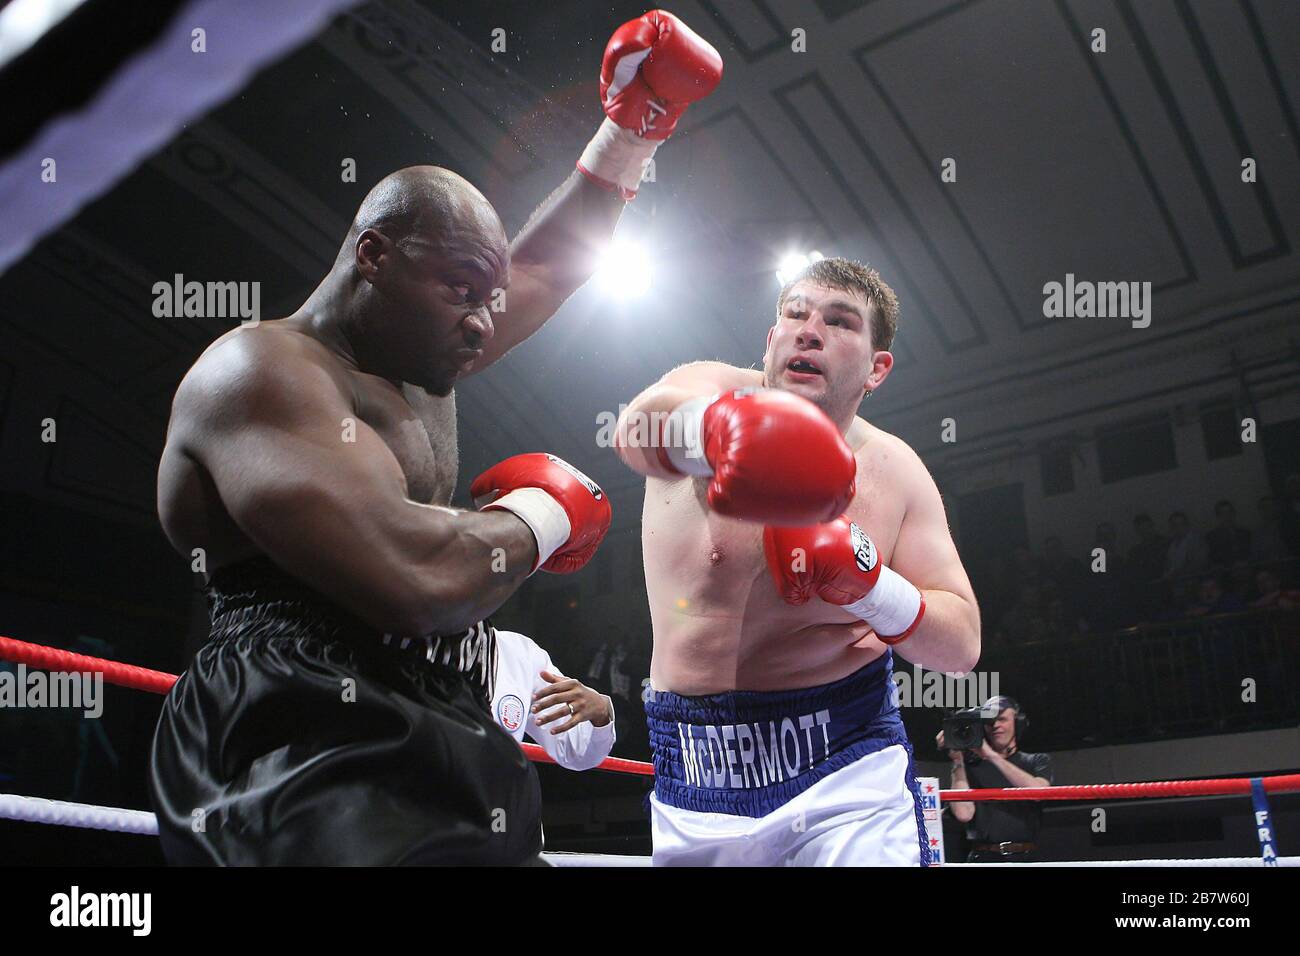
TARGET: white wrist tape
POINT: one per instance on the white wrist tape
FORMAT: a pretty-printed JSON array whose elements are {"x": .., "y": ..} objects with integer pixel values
[
  {"x": 891, "y": 606},
  {"x": 618, "y": 155},
  {"x": 545, "y": 517},
  {"x": 683, "y": 439}
]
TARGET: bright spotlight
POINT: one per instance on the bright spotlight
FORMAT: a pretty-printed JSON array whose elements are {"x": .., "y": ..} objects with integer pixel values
[
  {"x": 789, "y": 266},
  {"x": 624, "y": 270}
]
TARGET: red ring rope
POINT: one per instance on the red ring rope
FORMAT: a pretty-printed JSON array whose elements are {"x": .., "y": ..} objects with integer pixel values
[
  {"x": 1120, "y": 791},
  {"x": 158, "y": 682},
  {"x": 54, "y": 659}
]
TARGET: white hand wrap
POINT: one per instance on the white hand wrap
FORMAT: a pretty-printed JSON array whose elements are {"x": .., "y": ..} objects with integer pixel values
[
  {"x": 617, "y": 156},
  {"x": 545, "y": 517},
  {"x": 893, "y": 607},
  {"x": 683, "y": 439}
]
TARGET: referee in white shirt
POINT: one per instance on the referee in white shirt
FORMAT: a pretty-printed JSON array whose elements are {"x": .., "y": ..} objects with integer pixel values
[{"x": 572, "y": 722}]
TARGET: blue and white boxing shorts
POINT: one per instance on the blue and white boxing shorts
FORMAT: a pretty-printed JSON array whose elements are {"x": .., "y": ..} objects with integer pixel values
[{"x": 820, "y": 776}]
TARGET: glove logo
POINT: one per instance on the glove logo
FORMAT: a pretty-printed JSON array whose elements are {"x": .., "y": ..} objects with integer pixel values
[
  {"x": 653, "y": 111},
  {"x": 587, "y": 482},
  {"x": 510, "y": 712},
  {"x": 864, "y": 549}
]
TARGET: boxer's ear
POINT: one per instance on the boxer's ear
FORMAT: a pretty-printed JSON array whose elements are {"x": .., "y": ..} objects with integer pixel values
[{"x": 882, "y": 363}]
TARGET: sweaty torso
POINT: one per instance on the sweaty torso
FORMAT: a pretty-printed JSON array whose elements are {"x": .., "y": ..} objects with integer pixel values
[
  {"x": 719, "y": 623},
  {"x": 419, "y": 428}
]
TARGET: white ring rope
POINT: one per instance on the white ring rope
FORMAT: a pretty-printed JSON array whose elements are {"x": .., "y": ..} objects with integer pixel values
[
  {"x": 91, "y": 817},
  {"x": 84, "y": 815},
  {"x": 594, "y": 859},
  {"x": 1205, "y": 861}
]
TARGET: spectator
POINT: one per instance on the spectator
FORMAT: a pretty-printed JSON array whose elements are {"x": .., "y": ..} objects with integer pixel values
[
  {"x": 1107, "y": 538},
  {"x": 1109, "y": 593},
  {"x": 1146, "y": 559},
  {"x": 1059, "y": 623},
  {"x": 1064, "y": 573},
  {"x": 1226, "y": 542},
  {"x": 1146, "y": 565},
  {"x": 1186, "y": 553},
  {"x": 1026, "y": 619},
  {"x": 1271, "y": 593},
  {"x": 1211, "y": 599},
  {"x": 1241, "y": 582},
  {"x": 1268, "y": 543}
]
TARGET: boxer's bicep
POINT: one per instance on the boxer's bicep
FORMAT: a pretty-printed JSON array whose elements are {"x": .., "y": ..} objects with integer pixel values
[
  {"x": 924, "y": 552},
  {"x": 948, "y": 638},
  {"x": 314, "y": 487}
]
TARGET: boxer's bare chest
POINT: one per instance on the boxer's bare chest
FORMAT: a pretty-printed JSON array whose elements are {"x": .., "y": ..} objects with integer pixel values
[
  {"x": 694, "y": 553},
  {"x": 719, "y": 621},
  {"x": 420, "y": 429}
]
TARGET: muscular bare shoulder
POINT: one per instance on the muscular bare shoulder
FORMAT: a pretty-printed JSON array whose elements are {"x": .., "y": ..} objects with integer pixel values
[
  {"x": 712, "y": 376},
  {"x": 255, "y": 374},
  {"x": 890, "y": 454}
]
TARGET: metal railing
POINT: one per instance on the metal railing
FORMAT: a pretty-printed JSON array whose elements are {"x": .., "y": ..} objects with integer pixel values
[{"x": 1225, "y": 673}]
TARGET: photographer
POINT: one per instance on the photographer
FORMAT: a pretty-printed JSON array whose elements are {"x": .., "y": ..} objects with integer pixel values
[{"x": 1000, "y": 831}]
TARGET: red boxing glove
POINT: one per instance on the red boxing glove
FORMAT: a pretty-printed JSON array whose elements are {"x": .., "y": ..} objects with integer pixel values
[
  {"x": 654, "y": 67},
  {"x": 567, "y": 512},
  {"x": 839, "y": 563},
  {"x": 775, "y": 457}
]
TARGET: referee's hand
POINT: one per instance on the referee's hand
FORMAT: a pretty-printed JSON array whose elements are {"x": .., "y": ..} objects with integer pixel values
[{"x": 570, "y": 699}]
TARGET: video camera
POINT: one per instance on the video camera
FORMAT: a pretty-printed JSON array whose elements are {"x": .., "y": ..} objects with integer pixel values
[{"x": 964, "y": 730}]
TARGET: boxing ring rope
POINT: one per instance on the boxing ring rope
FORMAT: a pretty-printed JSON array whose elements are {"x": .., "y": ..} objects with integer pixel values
[
  {"x": 90, "y": 816},
  {"x": 85, "y": 816},
  {"x": 115, "y": 819},
  {"x": 160, "y": 682},
  {"x": 55, "y": 659},
  {"x": 1221, "y": 787}
]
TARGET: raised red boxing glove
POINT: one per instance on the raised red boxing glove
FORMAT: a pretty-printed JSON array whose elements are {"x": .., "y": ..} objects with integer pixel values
[
  {"x": 654, "y": 67},
  {"x": 838, "y": 563},
  {"x": 567, "y": 512},
  {"x": 774, "y": 457}
]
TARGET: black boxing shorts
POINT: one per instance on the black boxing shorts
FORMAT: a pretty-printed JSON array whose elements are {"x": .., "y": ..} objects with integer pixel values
[{"x": 301, "y": 736}]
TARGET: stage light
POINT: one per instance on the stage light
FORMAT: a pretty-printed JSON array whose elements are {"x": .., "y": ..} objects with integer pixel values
[
  {"x": 624, "y": 270},
  {"x": 790, "y": 264},
  {"x": 793, "y": 262}
]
